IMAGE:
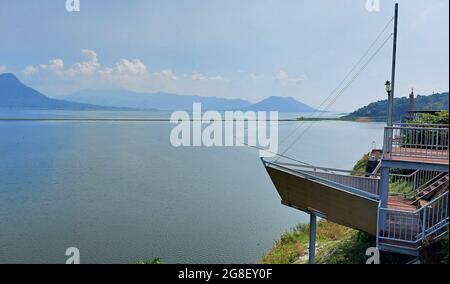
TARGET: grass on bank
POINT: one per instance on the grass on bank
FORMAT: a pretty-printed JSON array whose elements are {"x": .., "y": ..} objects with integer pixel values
[{"x": 335, "y": 244}]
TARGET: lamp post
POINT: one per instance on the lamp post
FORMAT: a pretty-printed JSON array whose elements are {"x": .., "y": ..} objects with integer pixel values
[{"x": 390, "y": 102}]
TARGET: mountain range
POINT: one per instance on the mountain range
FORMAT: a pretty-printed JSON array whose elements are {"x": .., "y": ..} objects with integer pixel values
[
  {"x": 15, "y": 94},
  {"x": 159, "y": 101}
]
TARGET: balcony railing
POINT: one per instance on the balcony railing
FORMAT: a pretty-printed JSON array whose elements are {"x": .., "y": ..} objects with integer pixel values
[
  {"x": 410, "y": 185},
  {"x": 413, "y": 227},
  {"x": 365, "y": 184},
  {"x": 425, "y": 141}
]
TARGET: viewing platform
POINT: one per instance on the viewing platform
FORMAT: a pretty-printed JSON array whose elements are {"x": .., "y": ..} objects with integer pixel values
[
  {"x": 424, "y": 146},
  {"x": 403, "y": 202}
]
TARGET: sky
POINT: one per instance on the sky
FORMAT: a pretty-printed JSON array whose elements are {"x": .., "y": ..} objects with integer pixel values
[{"x": 248, "y": 49}]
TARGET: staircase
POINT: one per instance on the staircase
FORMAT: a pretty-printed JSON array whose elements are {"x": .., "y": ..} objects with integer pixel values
[
  {"x": 428, "y": 191},
  {"x": 404, "y": 231}
]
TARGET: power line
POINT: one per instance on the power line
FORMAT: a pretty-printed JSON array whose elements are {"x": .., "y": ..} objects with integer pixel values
[
  {"x": 341, "y": 91},
  {"x": 343, "y": 80}
]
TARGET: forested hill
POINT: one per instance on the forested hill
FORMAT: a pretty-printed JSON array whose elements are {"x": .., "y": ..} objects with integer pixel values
[{"x": 378, "y": 110}]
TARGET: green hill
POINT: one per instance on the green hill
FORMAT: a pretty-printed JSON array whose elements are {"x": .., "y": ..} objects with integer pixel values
[{"x": 378, "y": 110}]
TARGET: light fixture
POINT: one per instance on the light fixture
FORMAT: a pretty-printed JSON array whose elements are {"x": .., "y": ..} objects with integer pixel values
[{"x": 388, "y": 86}]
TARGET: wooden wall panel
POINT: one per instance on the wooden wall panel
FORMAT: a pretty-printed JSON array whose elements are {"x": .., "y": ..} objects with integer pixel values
[{"x": 339, "y": 206}]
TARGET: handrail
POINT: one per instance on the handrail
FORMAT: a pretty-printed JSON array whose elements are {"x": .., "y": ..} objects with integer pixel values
[
  {"x": 417, "y": 128},
  {"x": 422, "y": 141},
  {"x": 423, "y": 124},
  {"x": 418, "y": 180},
  {"x": 378, "y": 224},
  {"x": 324, "y": 169},
  {"x": 414, "y": 226},
  {"x": 435, "y": 200},
  {"x": 337, "y": 185}
]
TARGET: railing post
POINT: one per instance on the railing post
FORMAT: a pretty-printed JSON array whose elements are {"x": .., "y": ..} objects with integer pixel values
[
  {"x": 378, "y": 225},
  {"x": 424, "y": 222}
]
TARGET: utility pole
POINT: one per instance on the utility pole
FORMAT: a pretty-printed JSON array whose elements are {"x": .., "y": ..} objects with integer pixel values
[{"x": 394, "y": 59}]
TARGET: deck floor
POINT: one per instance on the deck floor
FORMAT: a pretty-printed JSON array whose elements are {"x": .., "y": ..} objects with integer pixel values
[
  {"x": 399, "y": 203},
  {"x": 420, "y": 155}
]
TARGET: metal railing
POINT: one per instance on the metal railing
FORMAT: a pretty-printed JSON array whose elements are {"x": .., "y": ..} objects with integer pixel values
[
  {"x": 416, "y": 140},
  {"x": 357, "y": 182},
  {"x": 413, "y": 226},
  {"x": 412, "y": 184}
]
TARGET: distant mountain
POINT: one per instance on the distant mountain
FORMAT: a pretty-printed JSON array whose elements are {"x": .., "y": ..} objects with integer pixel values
[
  {"x": 281, "y": 104},
  {"x": 14, "y": 94},
  {"x": 378, "y": 110},
  {"x": 160, "y": 100}
]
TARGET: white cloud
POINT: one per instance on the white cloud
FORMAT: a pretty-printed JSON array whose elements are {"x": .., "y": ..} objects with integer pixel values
[
  {"x": 54, "y": 65},
  {"x": 133, "y": 67},
  {"x": 124, "y": 69},
  {"x": 88, "y": 67},
  {"x": 2, "y": 68},
  {"x": 201, "y": 77},
  {"x": 130, "y": 74},
  {"x": 166, "y": 74},
  {"x": 284, "y": 78},
  {"x": 29, "y": 70}
]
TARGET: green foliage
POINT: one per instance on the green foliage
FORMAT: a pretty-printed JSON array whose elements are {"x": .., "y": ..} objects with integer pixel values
[
  {"x": 293, "y": 245},
  {"x": 361, "y": 165},
  {"x": 378, "y": 110},
  {"x": 439, "y": 118},
  {"x": 335, "y": 245},
  {"x": 401, "y": 189},
  {"x": 351, "y": 250}
]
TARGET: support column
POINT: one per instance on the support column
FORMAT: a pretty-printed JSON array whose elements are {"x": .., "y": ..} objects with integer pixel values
[
  {"x": 384, "y": 186},
  {"x": 312, "y": 238}
]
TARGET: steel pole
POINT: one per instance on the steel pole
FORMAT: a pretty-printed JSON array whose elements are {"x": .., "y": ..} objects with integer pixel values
[
  {"x": 312, "y": 238},
  {"x": 394, "y": 60}
]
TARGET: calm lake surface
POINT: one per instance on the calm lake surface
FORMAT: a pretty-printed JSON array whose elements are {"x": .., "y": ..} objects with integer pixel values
[{"x": 120, "y": 192}]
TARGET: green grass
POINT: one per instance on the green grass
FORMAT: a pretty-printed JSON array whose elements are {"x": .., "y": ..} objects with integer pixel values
[
  {"x": 401, "y": 189},
  {"x": 335, "y": 244}
]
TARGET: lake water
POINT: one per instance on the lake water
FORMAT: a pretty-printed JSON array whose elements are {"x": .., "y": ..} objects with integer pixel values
[{"x": 120, "y": 192}]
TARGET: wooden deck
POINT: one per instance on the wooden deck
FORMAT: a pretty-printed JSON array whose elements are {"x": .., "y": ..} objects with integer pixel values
[
  {"x": 415, "y": 155},
  {"x": 400, "y": 203}
]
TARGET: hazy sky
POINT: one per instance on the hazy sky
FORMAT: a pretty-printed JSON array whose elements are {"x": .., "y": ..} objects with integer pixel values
[{"x": 247, "y": 49}]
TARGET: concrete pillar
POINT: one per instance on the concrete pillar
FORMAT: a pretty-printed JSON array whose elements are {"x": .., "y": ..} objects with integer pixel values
[
  {"x": 384, "y": 186},
  {"x": 312, "y": 238}
]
